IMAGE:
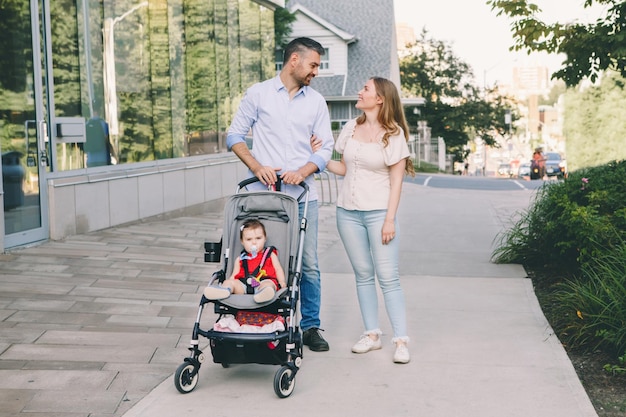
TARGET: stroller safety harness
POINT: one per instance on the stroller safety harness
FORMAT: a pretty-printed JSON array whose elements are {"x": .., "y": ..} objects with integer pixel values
[{"x": 253, "y": 279}]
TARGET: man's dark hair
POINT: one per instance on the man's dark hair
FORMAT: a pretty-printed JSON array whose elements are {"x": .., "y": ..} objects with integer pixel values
[{"x": 299, "y": 45}]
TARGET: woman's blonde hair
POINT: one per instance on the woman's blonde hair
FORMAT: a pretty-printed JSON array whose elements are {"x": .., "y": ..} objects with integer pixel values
[{"x": 391, "y": 115}]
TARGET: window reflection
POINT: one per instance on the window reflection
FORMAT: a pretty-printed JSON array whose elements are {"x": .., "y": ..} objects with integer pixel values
[{"x": 165, "y": 77}]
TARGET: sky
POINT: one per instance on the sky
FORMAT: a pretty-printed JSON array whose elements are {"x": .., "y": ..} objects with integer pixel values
[{"x": 481, "y": 38}]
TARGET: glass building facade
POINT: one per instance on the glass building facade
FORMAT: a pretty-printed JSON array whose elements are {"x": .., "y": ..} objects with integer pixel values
[
  {"x": 164, "y": 75},
  {"x": 86, "y": 83}
]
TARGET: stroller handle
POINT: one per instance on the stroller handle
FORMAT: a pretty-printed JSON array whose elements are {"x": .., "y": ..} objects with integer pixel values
[{"x": 278, "y": 184}]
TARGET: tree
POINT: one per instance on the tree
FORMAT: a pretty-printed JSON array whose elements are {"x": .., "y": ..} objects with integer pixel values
[
  {"x": 594, "y": 123},
  {"x": 556, "y": 91},
  {"x": 283, "y": 20},
  {"x": 433, "y": 71},
  {"x": 455, "y": 108},
  {"x": 590, "y": 49}
]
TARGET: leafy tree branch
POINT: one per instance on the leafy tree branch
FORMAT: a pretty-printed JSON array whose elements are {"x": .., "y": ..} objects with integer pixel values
[{"x": 590, "y": 48}]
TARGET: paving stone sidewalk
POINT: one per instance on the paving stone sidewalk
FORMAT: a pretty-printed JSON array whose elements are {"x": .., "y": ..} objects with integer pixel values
[{"x": 95, "y": 325}]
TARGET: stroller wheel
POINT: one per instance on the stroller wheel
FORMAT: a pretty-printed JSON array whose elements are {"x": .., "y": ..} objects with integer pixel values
[
  {"x": 186, "y": 378},
  {"x": 225, "y": 365},
  {"x": 284, "y": 382}
]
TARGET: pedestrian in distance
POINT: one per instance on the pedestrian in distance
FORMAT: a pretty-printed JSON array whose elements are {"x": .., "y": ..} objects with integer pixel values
[
  {"x": 374, "y": 159},
  {"x": 538, "y": 165},
  {"x": 284, "y": 113}
]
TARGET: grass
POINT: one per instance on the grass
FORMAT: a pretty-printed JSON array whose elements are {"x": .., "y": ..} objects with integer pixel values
[{"x": 426, "y": 167}]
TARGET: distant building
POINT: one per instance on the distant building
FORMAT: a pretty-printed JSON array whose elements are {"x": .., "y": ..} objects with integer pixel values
[
  {"x": 550, "y": 129},
  {"x": 531, "y": 80},
  {"x": 542, "y": 123},
  {"x": 405, "y": 37}
]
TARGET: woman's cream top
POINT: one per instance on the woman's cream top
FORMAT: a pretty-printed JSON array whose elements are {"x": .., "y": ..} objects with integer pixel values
[{"x": 366, "y": 185}]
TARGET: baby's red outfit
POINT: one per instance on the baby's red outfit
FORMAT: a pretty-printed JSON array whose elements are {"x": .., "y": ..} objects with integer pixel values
[{"x": 267, "y": 272}]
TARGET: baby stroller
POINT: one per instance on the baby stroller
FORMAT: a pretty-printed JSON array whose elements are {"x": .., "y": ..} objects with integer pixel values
[{"x": 279, "y": 346}]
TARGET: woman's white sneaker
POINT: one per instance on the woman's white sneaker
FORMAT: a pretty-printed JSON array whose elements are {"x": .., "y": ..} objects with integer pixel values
[
  {"x": 366, "y": 343},
  {"x": 402, "y": 354}
]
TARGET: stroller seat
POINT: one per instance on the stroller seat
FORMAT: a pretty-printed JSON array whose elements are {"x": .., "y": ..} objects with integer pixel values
[{"x": 246, "y": 301}]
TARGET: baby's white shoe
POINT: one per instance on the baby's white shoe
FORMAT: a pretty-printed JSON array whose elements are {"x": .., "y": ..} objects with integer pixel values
[
  {"x": 264, "y": 295},
  {"x": 213, "y": 292}
]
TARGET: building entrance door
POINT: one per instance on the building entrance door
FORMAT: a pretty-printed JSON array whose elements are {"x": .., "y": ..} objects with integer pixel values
[{"x": 23, "y": 127}]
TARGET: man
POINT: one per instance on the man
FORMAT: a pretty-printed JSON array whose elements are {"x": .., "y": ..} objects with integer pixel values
[{"x": 285, "y": 114}]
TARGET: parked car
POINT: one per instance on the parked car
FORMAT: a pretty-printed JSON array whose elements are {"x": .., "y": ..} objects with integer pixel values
[
  {"x": 504, "y": 170},
  {"x": 524, "y": 170},
  {"x": 555, "y": 165}
]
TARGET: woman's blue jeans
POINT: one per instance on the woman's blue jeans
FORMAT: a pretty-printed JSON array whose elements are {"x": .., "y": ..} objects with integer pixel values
[
  {"x": 310, "y": 284},
  {"x": 361, "y": 234}
]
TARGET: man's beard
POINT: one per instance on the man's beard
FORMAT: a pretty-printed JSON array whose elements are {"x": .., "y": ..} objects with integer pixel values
[{"x": 304, "y": 81}]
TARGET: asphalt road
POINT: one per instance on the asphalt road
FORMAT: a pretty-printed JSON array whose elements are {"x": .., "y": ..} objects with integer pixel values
[{"x": 476, "y": 182}]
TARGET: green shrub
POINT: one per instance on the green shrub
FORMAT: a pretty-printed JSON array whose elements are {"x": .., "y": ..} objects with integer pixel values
[
  {"x": 572, "y": 239},
  {"x": 426, "y": 167},
  {"x": 555, "y": 233},
  {"x": 593, "y": 307}
]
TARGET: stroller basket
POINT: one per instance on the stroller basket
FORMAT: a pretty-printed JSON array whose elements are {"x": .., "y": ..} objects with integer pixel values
[
  {"x": 268, "y": 349},
  {"x": 279, "y": 214}
]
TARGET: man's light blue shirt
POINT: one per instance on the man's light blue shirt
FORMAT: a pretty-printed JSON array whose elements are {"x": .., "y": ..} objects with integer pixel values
[{"x": 282, "y": 129}]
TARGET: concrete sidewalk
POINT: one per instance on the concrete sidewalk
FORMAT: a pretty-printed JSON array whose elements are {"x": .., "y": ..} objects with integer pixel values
[{"x": 97, "y": 324}]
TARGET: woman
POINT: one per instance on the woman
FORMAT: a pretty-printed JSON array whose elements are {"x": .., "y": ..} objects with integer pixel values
[{"x": 375, "y": 157}]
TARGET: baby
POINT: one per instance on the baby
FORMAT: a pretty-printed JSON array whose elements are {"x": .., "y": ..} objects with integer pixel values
[{"x": 258, "y": 267}]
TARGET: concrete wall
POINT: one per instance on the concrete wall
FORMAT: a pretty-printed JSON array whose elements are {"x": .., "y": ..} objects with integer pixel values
[{"x": 82, "y": 202}]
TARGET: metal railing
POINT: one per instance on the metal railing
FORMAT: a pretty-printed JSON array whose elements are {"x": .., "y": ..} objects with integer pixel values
[{"x": 328, "y": 187}]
